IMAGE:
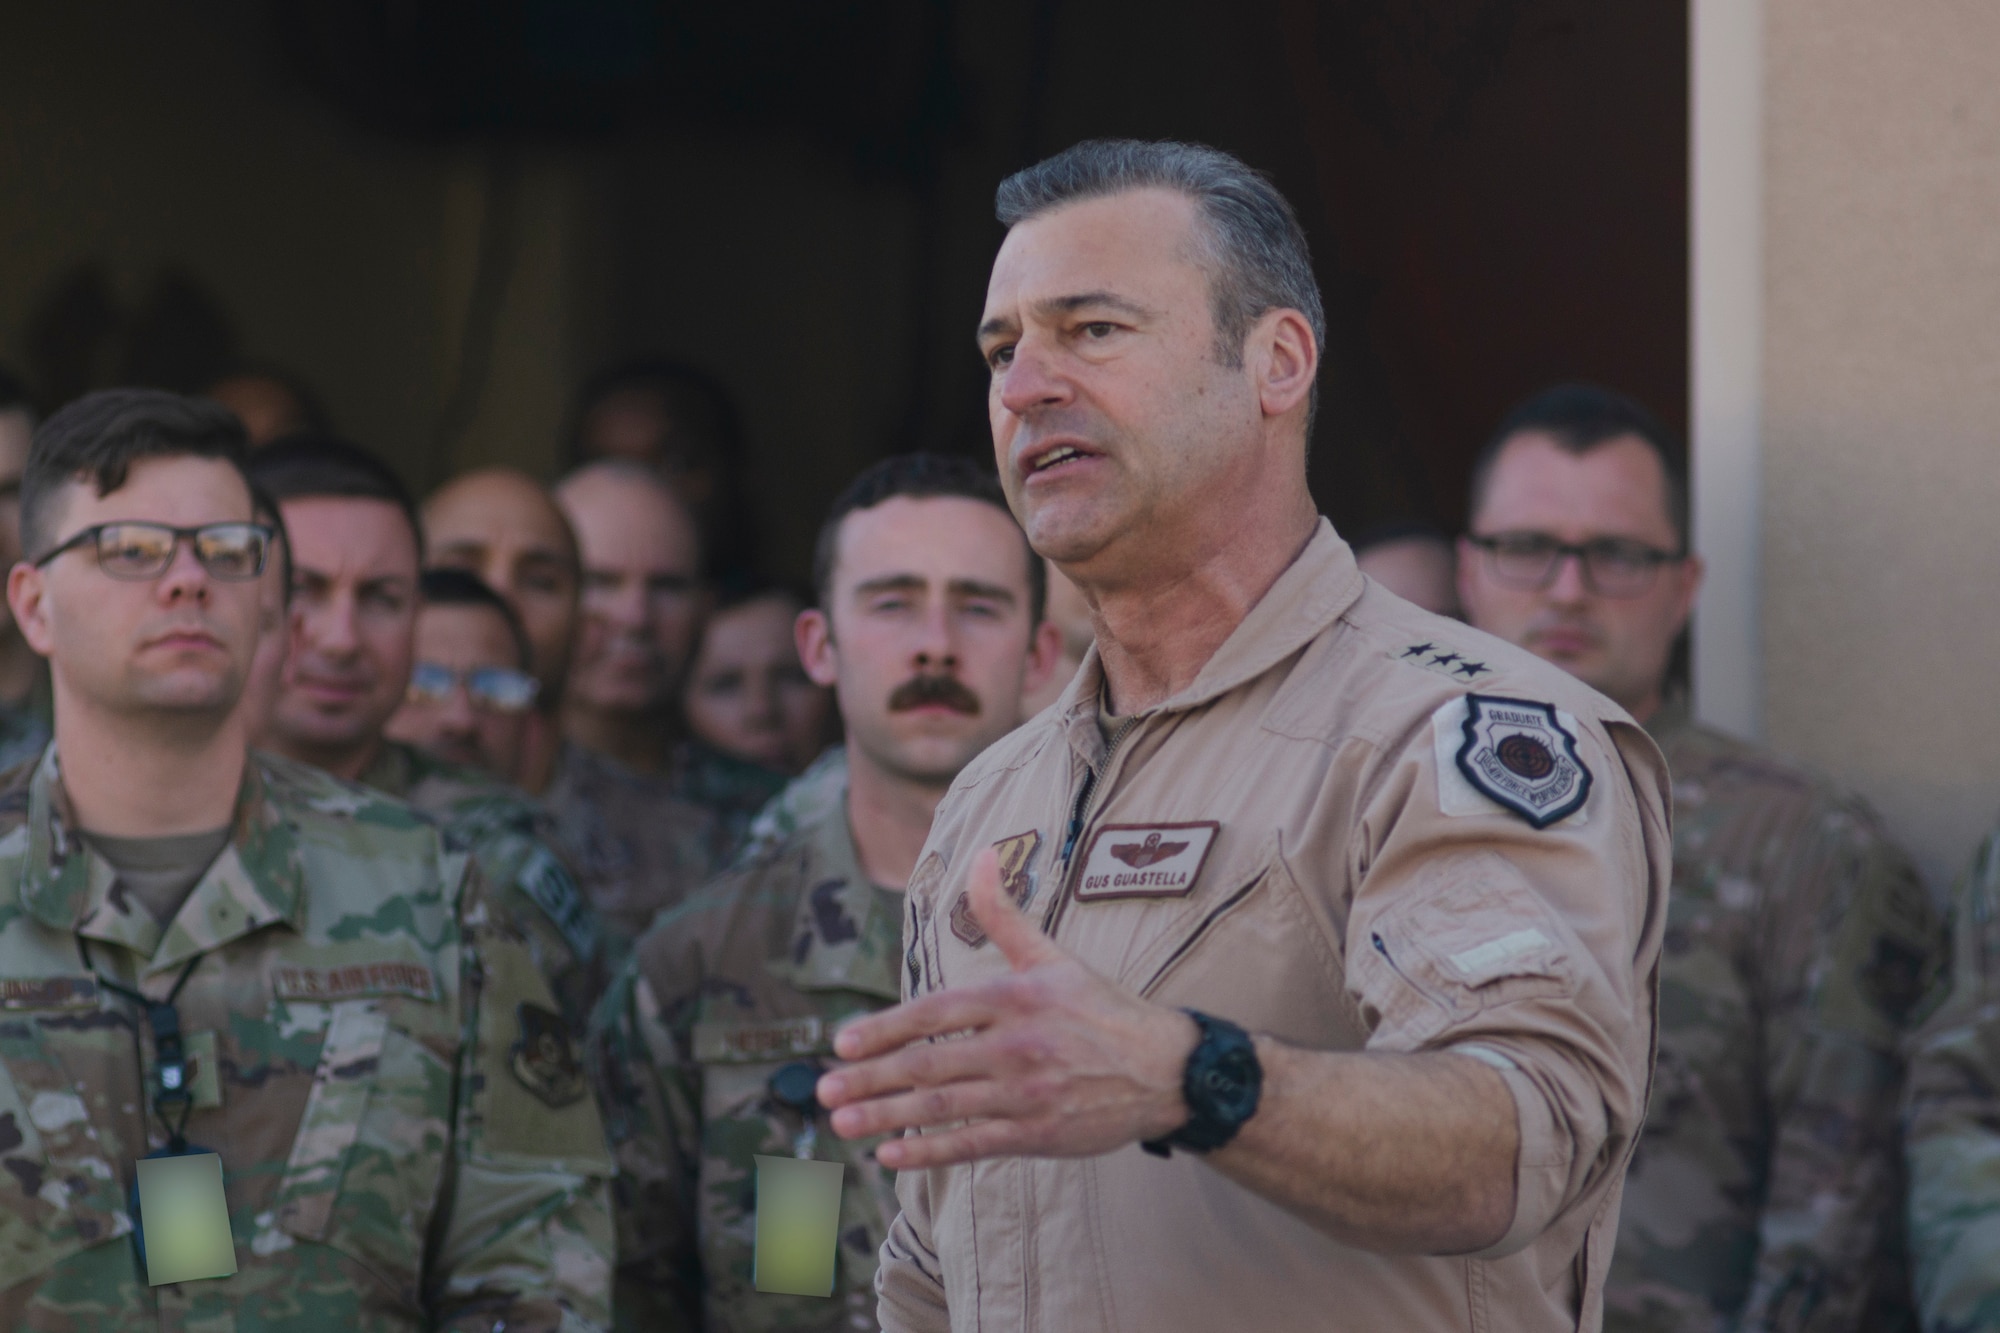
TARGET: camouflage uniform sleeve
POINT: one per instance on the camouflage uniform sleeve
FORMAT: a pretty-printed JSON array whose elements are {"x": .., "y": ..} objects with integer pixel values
[
  {"x": 650, "y": 1102},
  {"x": 1852, "y": 948},
  {"x": 1952, "y": 1120},
  {"x": 524, "y": 1237}
]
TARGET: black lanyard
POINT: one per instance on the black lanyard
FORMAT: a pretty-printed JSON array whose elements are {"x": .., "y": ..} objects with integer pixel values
[{"x": 170, "y": 1075}]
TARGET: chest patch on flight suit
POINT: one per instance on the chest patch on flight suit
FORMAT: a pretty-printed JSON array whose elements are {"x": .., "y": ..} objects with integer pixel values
[
  {"x": 544, "y": 1058},
  {"x": 1017, "y": 877},
  {"x": 1145, "y": 860},
  {"x": 1514, "y": 752}
]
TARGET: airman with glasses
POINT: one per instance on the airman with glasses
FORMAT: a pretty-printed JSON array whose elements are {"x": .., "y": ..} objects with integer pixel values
[{"x": 1799, "y": 942}]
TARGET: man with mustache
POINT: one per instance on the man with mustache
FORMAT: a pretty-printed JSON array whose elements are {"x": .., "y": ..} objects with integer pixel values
[
  {"x": 1362, "y": 1041},
  {"x": 929, "y": 628},
  {"x": 643, "y": 603},
  {"x": 224, "y": 956},
  {"x": 356, "y": 549},
  {"x": 1764, "y": 1192}
]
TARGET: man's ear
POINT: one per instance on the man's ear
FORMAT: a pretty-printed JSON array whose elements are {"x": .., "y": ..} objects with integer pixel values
[
  {"x": 1044, "y": 655},
  {"x": 1286, "y": 358},
  {"x": 26, "y": 589},
  {"x": 813, "y": 633}
]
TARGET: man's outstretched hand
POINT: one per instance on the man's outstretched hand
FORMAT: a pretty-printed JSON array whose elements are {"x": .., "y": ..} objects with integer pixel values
[{"x": 1049, "y": 1061}]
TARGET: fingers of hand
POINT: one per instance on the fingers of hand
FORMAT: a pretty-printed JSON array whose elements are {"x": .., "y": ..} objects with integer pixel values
[
  {"x": 927, "y": 1106},
  {"x": 931, "y": 1016},
  {"x": 968, "y": 1143},
  {"x": 1017, "y": 938}
]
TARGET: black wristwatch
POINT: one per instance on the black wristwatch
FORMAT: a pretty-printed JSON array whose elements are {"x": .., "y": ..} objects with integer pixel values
[{"x": 1222, "y": 1084}]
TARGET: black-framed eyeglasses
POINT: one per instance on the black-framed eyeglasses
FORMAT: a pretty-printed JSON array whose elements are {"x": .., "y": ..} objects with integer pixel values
[
  {"x": 231, "y": 552},
  {"x": 1612, "y": 566},
  {"x": 492, "y": 689}
]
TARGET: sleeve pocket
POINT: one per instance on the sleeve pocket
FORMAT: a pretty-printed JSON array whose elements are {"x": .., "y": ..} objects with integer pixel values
[{"x": 1469, "y": 936}]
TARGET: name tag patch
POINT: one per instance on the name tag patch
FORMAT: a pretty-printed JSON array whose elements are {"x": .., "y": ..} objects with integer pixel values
[
  {"x": 1145, "y": 860},
  {"x": 48, "y": 992},
  {"x": 354, "y": 981},
  {"x": 731, "y": 1043}
]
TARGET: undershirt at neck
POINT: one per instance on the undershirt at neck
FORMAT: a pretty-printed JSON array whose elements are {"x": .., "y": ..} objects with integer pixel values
[{"x": 160, "y": 872}]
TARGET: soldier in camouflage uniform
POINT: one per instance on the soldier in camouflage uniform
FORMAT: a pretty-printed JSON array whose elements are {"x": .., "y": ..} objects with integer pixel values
[
  {"x": 805, "y": 799},
  {"x": 728, "y": 1006},
  {"x": 405, "y": 1137},
  {"x": 355, "y": 551},
  {"x": 1799, "y": 941},
  {"x": 1952, "y": 1111}
]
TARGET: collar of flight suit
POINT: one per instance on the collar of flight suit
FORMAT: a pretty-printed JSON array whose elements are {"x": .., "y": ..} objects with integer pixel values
[
  {"x": 833, "y": 889},
  {"x": 256, "y": 881},
  {"x": 1315, "y": 590}
]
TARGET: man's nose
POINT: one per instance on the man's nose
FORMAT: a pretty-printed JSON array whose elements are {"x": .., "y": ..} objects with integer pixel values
[
  {"x": 1569, "y": 584},
  {"x": 1031, "y": 379},
  {"x": 185, "y": 577},
  {"x": 937, "y": 642},
  {"x": 330, "y": 627},
  {"x": 456, "y": 715}
]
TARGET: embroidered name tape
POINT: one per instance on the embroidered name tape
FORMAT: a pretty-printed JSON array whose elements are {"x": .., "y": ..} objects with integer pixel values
[
  {"x": 1516, "y": 753},
  {"x": 723, "y": 1043},
  {"x": 48, "y": 992},
  {"x": 354, "y": 981},
  {"x": 1145, "y": 860}
]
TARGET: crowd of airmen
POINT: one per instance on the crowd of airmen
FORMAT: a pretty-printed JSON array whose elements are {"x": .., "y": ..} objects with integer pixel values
[{"x": 484, "y": 866}]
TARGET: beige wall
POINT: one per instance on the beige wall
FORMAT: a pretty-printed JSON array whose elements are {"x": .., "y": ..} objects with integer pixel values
[{"x": 1881, "y": 397}]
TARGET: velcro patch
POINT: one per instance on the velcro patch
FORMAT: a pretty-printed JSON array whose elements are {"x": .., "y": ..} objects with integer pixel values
[
  {"x": 744, "y": 1042},
  {"x": 1516, "y": 753},
  {"x": 354, "y": 981},
  {"x": 1145, "y": 860},
  {"x": 553, "y": 890},
  {"x": 48, "y": 992}
]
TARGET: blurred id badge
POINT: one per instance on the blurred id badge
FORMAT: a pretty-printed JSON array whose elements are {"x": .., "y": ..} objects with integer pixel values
[
  {"x": 184, "y": 1219},
  {"x": 798, "y": 1225}
]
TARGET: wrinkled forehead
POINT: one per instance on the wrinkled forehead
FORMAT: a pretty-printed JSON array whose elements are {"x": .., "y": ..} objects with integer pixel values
[{"x": 1143, "y": 245}]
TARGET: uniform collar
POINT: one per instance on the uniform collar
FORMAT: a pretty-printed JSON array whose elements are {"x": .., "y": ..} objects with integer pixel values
[
  {"x": 846, "y": 932},
  {"x": 1315, "y": 590},
  {"x": 254, "y": 882}
]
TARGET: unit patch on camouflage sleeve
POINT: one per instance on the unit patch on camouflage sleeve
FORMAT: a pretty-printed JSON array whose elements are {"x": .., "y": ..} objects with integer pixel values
[
  {"x": 544, "y": 1059},
  {"x": 1145, "y": 860},
  {"x": 1515, "y": 752},
  {"x": 555, "y": 892}
]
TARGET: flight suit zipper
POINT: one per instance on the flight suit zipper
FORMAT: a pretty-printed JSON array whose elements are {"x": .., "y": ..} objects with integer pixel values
[{"x": 1079, "y": 809}]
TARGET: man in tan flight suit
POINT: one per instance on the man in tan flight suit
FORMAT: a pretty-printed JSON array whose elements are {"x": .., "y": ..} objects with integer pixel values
[
  {"x": 1429, "y": 884},
  {"x": 928, "y": 627}
]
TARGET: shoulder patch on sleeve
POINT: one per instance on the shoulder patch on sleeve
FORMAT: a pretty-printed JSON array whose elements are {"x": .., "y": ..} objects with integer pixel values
[
  {"x": 552, "y": 889},
  {"x": 1515, "y": 753}
]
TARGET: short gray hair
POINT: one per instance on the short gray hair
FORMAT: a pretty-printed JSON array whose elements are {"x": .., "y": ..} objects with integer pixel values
[{"x": 1257, "y": 252}]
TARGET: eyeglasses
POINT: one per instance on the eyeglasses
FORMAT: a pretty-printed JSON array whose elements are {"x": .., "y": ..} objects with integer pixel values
[
  {"x": 1612, "y": 566},
  {"x": 492, "y": 689},
  {"x": 231, "y": 552}
]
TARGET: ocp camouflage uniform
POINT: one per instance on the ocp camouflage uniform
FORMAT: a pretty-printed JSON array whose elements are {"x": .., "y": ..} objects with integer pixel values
[
  {"x": 636, "y": 848},
  {"x": 752, "y": 974},
  {"x": 1799, "y": 945},
  {"x": 732, "y": 790},
  {"x": 514, "y": 839},
  {"x": 1952, "y": 1120},
  {"x": 396, "y": 1156},
  {"x": 805, "y": 800}
]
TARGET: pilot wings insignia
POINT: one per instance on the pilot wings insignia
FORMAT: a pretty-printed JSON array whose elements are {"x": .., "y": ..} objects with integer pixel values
[{"x": 1139, "y": 855}]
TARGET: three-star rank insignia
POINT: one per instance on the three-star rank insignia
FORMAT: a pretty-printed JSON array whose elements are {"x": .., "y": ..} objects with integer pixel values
[
  {"x": 1443, "y": 660},
  {"x": 544, "y": 1058},
  {"x": 1016, "y": 854},
  {"x": 1519, "y": 753}
]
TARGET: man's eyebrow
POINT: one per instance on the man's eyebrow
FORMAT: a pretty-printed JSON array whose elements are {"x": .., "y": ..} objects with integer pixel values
[
  {"x": 892, "y": 583},
  {"x": 974, "y": 588},
  {"x": 472, "y": 546},
  {"x": 1067, "y": 305}
]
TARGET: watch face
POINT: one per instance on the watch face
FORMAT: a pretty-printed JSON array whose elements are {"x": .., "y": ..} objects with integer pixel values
[{"x": 1234, "y": 1084}]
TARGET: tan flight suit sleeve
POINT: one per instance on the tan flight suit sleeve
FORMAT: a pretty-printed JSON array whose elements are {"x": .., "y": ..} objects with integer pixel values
[{"x": 1533, "y": 950}]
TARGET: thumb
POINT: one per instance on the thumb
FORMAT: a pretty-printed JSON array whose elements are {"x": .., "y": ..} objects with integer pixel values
[{"x": 1005, "y": 924}]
